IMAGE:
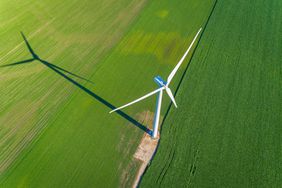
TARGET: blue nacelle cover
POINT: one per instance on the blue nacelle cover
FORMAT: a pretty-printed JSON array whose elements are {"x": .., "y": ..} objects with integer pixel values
[{"x": 160, "y": 81}]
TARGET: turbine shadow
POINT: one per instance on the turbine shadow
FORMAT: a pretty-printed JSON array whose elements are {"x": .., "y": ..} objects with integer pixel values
[{"x": 61, "y": 71}]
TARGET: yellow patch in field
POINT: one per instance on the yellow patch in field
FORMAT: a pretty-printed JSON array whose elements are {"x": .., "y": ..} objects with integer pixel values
[
  {"x": 165, "y": 46},
  {"x": 162, "y": 13}
]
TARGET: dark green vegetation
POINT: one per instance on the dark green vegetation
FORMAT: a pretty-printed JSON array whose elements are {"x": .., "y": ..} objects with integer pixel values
[
  {"x": 87, "y": 57},
  {"x": 227, "y": 129}
]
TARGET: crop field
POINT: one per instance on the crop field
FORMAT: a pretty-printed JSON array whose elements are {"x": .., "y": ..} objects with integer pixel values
[
  {"x": 227, "y": 129},
  {"x": 74, "y": 62}
]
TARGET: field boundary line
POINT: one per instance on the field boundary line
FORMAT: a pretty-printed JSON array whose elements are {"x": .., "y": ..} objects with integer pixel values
[{"x": 178, "y": 86}]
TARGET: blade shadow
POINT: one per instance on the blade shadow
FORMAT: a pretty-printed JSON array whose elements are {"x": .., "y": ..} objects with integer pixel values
[
  {"x": 75, "y": 75},
  {"x": 19, "y": 63},
  {"x": 60, "y": 71},
  {"x": 34, "y": 55}
]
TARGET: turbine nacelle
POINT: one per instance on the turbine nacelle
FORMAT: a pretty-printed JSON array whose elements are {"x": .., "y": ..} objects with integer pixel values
[
  {"x": 164, "y": 85},
  {"x": 160, "y": 81}
]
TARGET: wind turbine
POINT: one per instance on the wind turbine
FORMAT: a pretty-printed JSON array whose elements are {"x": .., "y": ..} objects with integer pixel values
[{"x": 163, "y": 85}]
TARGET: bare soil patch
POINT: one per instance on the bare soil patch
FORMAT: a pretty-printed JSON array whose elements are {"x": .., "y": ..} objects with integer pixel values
[
  {"x": 147, "y": 146},
  {"x": 144, "y": 153}
]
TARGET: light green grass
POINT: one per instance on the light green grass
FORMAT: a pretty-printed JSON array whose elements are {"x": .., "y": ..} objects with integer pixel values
[
  {"x": 227, "y": 129},
  {"x": 54, "y": 132}
]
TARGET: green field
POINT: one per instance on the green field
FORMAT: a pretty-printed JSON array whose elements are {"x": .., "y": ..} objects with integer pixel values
[
  {"x": 55, "y": 130},
  {"x": 227, "y": 129}
]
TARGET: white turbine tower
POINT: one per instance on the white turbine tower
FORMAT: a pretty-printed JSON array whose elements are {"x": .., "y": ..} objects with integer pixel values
[{"x": 163, "y": 85}]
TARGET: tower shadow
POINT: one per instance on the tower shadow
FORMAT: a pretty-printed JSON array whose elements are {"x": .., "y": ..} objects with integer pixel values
[{"x": 62, "y": 72}]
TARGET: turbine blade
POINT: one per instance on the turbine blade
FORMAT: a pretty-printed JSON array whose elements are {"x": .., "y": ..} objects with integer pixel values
[
  {"x": 139, "y": 99},
  {"x": 168, "y": 91},
  {"x": 182, "y": 59}
]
